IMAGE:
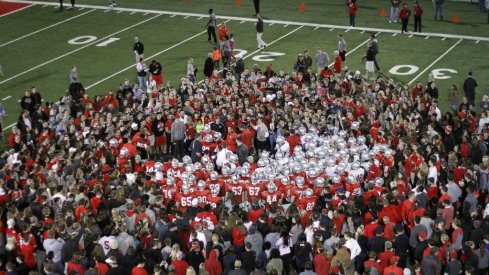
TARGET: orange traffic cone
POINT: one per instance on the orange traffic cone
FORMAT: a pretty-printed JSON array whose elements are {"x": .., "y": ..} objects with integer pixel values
[
  {"x": 455, "y": 19},
  {"x": 302, "y": 7},
  {"x": 238, "y": 3},
  {"x": 382, "y": 13}
]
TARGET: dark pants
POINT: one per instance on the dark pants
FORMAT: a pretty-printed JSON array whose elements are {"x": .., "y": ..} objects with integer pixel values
[
  {"x": 286, "y": 260},
  {"x": 72, "y": 3},
  {"x": 404, "y": 25},
  {"x": 61, "y": 4},
  {"x": 179, "y": 148},
  {"x": 256, "y": 3},
  {"x": 211, "y": 31},
  {"x": 375, "y": 63},
  {"x": 352, "y": 20},
  {"x": 169, "y": 144},
  {"x": 343, "y": 55},
  {"x": 417, "y": 23}
]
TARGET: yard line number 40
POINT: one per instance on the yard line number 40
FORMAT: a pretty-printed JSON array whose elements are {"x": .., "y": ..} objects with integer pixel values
[
  {"x": 411, "y": 69},
  {"x": 85, "y": 39}
]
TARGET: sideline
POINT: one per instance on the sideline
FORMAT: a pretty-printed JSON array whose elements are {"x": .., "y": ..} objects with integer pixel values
[
  {"x": 43, "y": 29},
  {"x": 14, "y": 11},
  {"x": 434, "y": 62},
  {"x": 281, "y": 22},
  {"x": 79, "y": 49}
]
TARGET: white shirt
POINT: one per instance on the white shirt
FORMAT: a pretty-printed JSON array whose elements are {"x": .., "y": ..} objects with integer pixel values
[
  {"x": 105, "y": 243},
  {"x": 221, "y": 157},
  {"x": 433, "y": 173},
  {"x": 354, "y": 247},
  {"x": 283, "y": 248}
]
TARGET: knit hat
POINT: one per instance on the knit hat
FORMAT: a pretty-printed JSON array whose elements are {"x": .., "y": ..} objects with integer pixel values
[{"x": 252, "y": 229}]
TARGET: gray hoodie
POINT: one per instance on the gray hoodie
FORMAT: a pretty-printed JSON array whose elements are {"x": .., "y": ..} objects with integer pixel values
[
  {"x": 54, "y": 245},
  {"x": 256, "y": 241}
]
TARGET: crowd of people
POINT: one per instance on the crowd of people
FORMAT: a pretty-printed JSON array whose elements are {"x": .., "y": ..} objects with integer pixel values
[{"x": 254, "y": 172}]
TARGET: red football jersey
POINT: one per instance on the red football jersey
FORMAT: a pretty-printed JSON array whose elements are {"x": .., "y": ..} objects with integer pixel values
[
  {"x": 213, "y": 201},
  {"x": 268, "y": 197},
  {"x": 184, "y": 201},
  {"x": 237, "y": 189},
  {"x": 307, "y": 203},
  {"x": 252, "y": 191},
  {"x": 201, "y": 195}
]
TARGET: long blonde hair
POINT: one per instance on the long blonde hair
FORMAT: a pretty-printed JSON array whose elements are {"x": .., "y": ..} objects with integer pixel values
[{"x": 174, "y": 251}]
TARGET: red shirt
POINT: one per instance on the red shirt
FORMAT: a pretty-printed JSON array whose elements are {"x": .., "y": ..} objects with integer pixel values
[
  {"x": 29, "y": 254},
  {"x": 418, "y": 11},
  {"x": 138, "y": 271},
  {"x": 238, "y": 237},
  {"x": 338, "y": 64},
  {"x": 404, "y": 13},
  {"x": 352, "y": 9}
]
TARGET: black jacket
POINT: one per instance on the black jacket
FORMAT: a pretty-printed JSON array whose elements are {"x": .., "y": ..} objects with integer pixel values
[
  {"x": 208, "y": 67},
  {"x": 259, "y": 25},
  {"x": 248, "y": 261}
]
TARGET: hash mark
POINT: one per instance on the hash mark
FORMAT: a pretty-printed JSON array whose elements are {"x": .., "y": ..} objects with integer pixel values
[
  {"x": 427, "y": 37},
  {"x": 186, "y": 17},
  {"x": 477, "y": 42},
  {"x": 316, "y": 28},
  {"x": 285, "y": 26}
]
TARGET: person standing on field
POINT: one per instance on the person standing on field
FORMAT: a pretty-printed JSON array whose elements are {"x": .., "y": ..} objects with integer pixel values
[
  {"x": 352, "y": 12},
  {"x": 142, "y": 71},
  {"x": 404, "y": 14},
  {"x": 259, "y": 32},
  {"x": 138, "y": 49},
  {"x": 321, "y": 59},
  {"x": 469, "y": 88},
  {"x": 342, "y": 47},
  {"x": 375, "y": 50},
  {"x": 211, "y": 26},
  {"x": 418, "y": 12},
  {"x": 394, "y": 10},
  {"x": 155, "y": 69}
]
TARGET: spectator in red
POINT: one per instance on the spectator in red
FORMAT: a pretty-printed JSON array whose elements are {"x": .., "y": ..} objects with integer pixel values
[
  {"x": 139, "y": 268},
  {"x": 352, "y": 12},
  {"x": 338, "y": 63},
  {"x": 212, "y": 264},
  {"x": 404, "y": 14},
  {"x": 418, "y": 12}
]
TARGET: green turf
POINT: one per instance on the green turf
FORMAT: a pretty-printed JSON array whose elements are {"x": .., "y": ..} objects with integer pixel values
[{"x": 164, "y": 32}]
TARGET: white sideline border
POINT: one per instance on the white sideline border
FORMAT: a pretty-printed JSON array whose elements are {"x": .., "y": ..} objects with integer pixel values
[
  {"x": 14, "y": 11},
  {"x": 434, "y": 62},
  {"x": 281, "y": 22},
  {"x": 79, "y": 49},
  {"x": 45, "y": 28}
]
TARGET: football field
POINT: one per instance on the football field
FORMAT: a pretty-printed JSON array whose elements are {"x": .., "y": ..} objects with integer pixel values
[{"x": 39, "y": 44}]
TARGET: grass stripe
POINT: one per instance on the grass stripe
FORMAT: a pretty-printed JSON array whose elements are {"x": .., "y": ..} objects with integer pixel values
[
  {"x": 46, "y": 28},
  {"x": 79, "y": 49}
]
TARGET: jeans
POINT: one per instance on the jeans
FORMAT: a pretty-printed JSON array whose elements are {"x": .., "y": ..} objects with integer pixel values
[
  {"x": 438, "y": 8},
  {"x": 352, "y": 20},
  {"x": 394, "y": 12},
  {"x": 417, "y": 23},
  {"x": 142, "y": 83}
]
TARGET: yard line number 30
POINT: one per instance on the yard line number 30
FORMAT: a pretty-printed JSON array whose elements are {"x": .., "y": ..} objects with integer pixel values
[{"x": 411, "y": 69}]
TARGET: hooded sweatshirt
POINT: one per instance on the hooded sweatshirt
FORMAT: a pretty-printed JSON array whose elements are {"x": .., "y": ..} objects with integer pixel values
[
  {"x": 256, "y": 241},
  {"x": 212, "y": 264}
]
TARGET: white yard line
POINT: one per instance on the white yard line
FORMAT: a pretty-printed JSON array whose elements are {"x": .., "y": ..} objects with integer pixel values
[
  {"x": 444, "y": 38},
  {"x": 331, "y": 29},
  {"x": 434, "y": 62},
  {"x": 152, "y": 56},
  {"x": 45, "y": 28},
  {"x": 17, "y": 10},
  {"x": 186, "y": 17},
  {"x": 132, "y": 13},
  {"x": 173, "y": 15},
  {"x": 7, "y": 97},
  {"x": 146, "y": 14},
  {"x": 79, "y": 49},
  {"x": 477, "y": 42},
  {"x": 242, "y": 22},
  {"x": 394, "y": 34},
  {"x": 411, "y": 35},
  {"x": 286, "y": 25},
  {"x": 10, "y": 126},
  {"x": 275, "y": 41},
  {"x": 427, "y": 37},
  {"x": 249, "y": 19},
  {"x": 316, "y": 28}
]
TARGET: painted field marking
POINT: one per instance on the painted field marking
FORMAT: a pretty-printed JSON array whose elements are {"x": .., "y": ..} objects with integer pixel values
[
  {"x": 45, "y": 28},
  {"x": 10, "y": 126},
  {"x": 200, "y": 18},
  {"x": 285, "y": 26},
  {"x": 186, "y": 17},
  {"x": 132, "y": 13},
  {"x": 477, "y": 42},
  {"x": 316, "y": 28},
  {"x": 275, "y": 41},
  {"x": 107, "y": 11},
  {"x": 411, "y": 35},
  {"x": 79, "y": 49},
  {"x": 271, "y": 24},
  {"x": 7, "y": 97},
  {"x": 331, "y": 29},
  {"x": 362, "y": 31},
  {"x": 347, "y": 30},
  {"x": 434, "y": 62},
  {"x": 120, "y": 11},
  {"x": 242, "y": 22},
  {"x": 281, "y": 22},
  {"x": 394, "y": 34},
  {"x": 444, "y": 38},
  {"x": 152, "y": 56},
  {"x": 173, "y": 16},
  {"x": 427, "y": 37},
  {"x": 17, "y": 10},
  {"x": 81, "y": 9},
  {"x": 44, "y": 6}
]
